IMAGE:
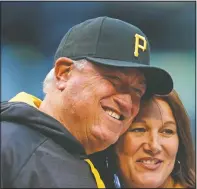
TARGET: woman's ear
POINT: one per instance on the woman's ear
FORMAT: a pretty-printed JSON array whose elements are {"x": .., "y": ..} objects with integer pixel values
[{"x": 63, "y": 66}]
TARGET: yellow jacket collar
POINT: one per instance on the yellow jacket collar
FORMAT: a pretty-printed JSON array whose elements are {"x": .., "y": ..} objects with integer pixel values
[{"x": 27, "y": 98}]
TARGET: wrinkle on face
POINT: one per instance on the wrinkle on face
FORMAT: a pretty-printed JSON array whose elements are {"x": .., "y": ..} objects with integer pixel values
[
  {"x": 83, "y": 113},
  {"x": 137, "y": 78}
]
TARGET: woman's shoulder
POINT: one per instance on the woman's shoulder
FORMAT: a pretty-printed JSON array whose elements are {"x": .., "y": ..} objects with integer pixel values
[
  {"x": 174, "y": 184},
  {"x": 178, "y": 185}
]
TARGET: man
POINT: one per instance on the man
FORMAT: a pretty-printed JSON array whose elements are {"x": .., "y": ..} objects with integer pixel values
[{"x": 93, "y": 93}]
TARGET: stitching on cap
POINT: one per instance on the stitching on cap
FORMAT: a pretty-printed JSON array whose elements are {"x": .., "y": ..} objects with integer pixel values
[{"x": 99, "y": 34}]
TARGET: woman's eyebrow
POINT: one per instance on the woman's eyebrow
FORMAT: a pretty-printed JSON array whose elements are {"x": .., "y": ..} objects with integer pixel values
[
  {"x": 138, "y": 121},
  {"x": 170, "y": 123}
]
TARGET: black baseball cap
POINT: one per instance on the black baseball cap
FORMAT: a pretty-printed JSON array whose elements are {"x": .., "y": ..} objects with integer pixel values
[{"x": 113, "y": 42}]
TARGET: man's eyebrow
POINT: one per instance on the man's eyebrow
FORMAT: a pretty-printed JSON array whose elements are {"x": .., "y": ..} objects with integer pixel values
[
  {"x": 143, "y": 82},
  {"x": 121, "y": 71}
]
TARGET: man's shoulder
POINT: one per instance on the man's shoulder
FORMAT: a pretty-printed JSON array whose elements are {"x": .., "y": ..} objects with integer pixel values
[
  {"x": 32, "y": 160},
  {"x": 16, "y": 132},
  {"x": 18, "y": 142}
]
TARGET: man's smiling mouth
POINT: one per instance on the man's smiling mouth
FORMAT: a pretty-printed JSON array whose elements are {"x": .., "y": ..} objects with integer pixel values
[{"x": 114, "y": 114}]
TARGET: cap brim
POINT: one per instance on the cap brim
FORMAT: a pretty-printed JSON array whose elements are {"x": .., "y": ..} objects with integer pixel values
[{"x": 158, "y": 80}]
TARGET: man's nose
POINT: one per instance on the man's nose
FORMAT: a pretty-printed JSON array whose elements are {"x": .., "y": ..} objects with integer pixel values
[
  {"x": 153, "y": 144},
  {"x": 125, "y": 104}
]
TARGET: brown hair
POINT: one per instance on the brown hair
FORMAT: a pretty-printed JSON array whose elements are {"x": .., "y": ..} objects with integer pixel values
[{"x": 183, "y": 172}]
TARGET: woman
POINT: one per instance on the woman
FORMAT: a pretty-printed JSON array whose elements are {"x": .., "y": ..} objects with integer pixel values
[{"x": 157, "y": 149}]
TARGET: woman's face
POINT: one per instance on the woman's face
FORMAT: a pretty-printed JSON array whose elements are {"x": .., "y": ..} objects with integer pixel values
[{"x": 147, "y": 151}]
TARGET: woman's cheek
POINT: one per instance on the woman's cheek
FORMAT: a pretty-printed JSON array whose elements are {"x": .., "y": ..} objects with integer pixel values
[{"x": 128, "y": 144}]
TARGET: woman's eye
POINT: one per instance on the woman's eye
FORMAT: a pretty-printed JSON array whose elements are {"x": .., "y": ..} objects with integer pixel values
[
  {"x": 138, "y": 130},
  {"x": 168, "y": 131}
]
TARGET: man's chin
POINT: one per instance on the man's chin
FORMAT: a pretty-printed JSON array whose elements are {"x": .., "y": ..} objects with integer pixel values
[{"x": 104, "y": 138}]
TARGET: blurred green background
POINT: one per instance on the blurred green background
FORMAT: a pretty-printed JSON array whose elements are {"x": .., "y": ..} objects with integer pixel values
[{"x": 31, "y": 32}]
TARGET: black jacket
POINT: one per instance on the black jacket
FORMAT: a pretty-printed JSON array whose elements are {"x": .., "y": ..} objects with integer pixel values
[{"x": 37, "y": 151}]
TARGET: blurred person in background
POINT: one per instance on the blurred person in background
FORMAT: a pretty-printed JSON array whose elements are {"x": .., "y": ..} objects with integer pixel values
[
  {"x": 157, "y": 149},
  {"x": 93, "y": 93}
]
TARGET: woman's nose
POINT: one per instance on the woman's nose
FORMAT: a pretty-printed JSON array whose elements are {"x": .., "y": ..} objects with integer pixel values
[{"x": 153, "y": 145}]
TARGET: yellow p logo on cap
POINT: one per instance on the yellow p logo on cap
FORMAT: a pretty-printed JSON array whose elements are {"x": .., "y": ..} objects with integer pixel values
[{"x": 138, "y": 46}]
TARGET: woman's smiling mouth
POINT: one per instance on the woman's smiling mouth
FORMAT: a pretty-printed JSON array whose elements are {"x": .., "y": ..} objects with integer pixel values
[{"x": 149, "y": 163}]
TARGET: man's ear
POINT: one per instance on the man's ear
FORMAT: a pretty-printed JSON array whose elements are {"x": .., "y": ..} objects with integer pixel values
[{"x": 63, "y": 66}]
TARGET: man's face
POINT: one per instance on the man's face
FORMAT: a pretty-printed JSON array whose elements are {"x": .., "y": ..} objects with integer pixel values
[{"x": 100, "y": 102}]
